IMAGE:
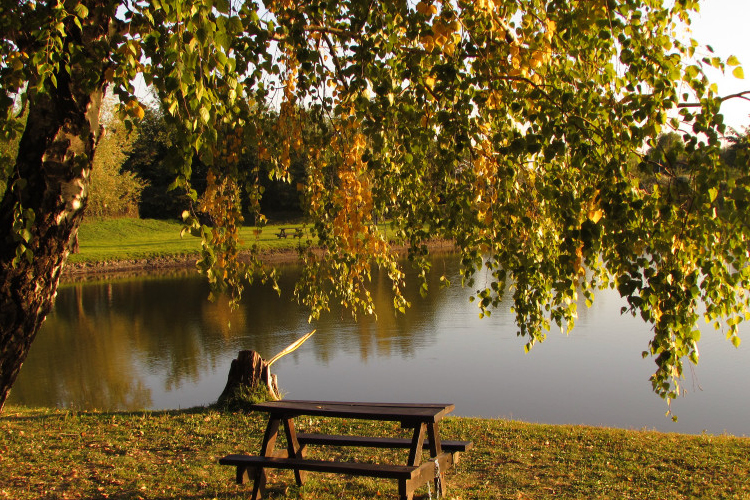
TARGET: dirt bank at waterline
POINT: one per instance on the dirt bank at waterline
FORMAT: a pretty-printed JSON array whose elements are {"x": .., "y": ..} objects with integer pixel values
[{"x": 85, "y": 271}]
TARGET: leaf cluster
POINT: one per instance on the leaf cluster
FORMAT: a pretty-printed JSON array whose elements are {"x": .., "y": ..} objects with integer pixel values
[{"x": 510, "y": 127}]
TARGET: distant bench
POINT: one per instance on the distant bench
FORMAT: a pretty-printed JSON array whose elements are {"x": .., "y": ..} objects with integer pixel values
[{"x": 423, "y": 419}]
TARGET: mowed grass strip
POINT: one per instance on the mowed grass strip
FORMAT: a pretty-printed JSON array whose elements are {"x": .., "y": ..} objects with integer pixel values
[
  {"x": 132, "y": 239},
  {"x": 56, "y": 454}
]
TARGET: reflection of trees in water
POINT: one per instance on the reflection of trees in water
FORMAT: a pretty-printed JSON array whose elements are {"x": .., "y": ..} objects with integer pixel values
[
  {"x": 167, "y": 330},
  {"x": 82, "y": 357},
  {"x": 392, "y": 334},
  {"x": 104, "y": 340}
]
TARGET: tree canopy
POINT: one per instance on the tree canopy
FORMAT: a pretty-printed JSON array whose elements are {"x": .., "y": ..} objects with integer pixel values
[{"x": 507, "y": 126}]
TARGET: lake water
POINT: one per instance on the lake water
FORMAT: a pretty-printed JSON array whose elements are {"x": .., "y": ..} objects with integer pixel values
[{"x": 155, "y": 342}]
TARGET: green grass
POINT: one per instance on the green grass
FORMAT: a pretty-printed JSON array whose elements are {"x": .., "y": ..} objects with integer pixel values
[
  {"x": 56, "y": 454},
  {"x": 133, "y": 239}
]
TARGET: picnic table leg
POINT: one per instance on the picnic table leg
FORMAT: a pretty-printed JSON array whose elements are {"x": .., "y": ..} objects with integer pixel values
[
  {"x": 266, "y": 450},
  {"x": 436, "y": 448},
  {"x": 405, "y": 490},
  {"x": 293, "y": 449},
  {"x": 415, "y": 453}
]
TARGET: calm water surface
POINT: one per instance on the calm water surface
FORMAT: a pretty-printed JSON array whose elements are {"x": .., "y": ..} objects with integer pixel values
[{"x": 157, "y": 343}]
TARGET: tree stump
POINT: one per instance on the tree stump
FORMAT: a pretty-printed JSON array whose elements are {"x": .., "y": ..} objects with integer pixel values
[{"x": 249, "y": 370}]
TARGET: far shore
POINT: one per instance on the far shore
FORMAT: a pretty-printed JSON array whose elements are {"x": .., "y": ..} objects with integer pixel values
[{"x": 87, "y": 270}]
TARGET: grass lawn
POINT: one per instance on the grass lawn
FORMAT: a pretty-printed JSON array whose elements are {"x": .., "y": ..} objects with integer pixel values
[
  {"x": 128, "y": 239},
  {"x": 56, "y": 454}
]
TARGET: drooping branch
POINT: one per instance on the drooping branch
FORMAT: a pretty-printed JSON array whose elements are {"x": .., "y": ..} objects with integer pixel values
[{"x": 744, "y": 95}]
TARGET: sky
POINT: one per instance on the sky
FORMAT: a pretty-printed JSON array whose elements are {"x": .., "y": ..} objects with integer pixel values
[{"x": 724, "y": 24}]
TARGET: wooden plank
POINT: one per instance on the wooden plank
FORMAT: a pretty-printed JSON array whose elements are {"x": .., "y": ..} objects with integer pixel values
[
  {"x": 375, "y": 442},
  {"x": 352, "y": 468},
  {"x": 424, "y": 474},
  {"x": 408, "y": 414},
  {"x": 426, "y": 471},
  {"x": 367, "y": 403}
]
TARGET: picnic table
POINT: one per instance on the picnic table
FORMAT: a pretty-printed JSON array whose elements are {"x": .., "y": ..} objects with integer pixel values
[
  {"x": 423, "y": 419},
  {"x": 298, "y": 232}
]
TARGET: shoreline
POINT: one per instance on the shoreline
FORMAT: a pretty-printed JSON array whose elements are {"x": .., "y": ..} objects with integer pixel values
[{"x": 99, "y": 270}]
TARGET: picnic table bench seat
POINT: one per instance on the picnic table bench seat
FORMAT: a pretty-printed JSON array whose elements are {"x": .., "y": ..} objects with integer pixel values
[
  {"x": 352, "y": 468},
  {"x": 378, "y": 442},
  {"x": 408, "y": 477}
]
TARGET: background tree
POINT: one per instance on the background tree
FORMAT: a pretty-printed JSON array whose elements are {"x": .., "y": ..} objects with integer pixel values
[
  {"x": 150, "y": 160},
  {"x": 114, "y": 192},
  {"x": 737, "y": 153},
  {"x": 668, "y": 155},
  {"x": 147, "y": 160},
  {"x": 504, "y": 125}
]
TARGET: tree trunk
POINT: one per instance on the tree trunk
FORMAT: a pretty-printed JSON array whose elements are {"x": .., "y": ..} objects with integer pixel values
[
  {"x": 249, "y": 370},
  {"x": 51, "y": 178}
]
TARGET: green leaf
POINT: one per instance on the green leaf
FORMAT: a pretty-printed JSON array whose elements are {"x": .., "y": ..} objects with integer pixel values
[
  {"x": 81, "y": 11},
  {"x": 205, "y": 115},
  {"x": 222, "y": 6}
]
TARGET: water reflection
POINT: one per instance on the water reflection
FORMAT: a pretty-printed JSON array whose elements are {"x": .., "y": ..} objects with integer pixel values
[
  {"x": 158, "y": 343},
  {"x": 106, "y": 343}
]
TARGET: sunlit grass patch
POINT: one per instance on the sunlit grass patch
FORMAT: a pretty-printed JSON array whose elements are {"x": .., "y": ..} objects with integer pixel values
[{"x": 128, "y": 239}]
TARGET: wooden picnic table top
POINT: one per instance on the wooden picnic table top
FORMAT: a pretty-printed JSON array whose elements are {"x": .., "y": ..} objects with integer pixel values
[{"x": 407, "y": 413}]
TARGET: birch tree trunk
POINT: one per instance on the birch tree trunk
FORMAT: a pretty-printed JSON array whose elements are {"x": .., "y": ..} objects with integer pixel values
[{"x": 46, "y": 195}]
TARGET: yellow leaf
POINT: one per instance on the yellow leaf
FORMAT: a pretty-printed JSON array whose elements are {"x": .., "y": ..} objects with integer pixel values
[
  {"x": 428, "y": 42},
  {"x": 595, "y": 215},
  {"x": 738, "y": 73},
  {"x": 536, "y": 59}
]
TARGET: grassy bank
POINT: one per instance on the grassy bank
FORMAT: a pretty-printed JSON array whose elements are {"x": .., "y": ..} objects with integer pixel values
[
  {"x": 51, "y": 454},
  {"x": 134, "y": 239}
]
